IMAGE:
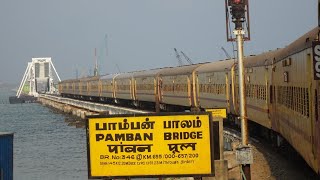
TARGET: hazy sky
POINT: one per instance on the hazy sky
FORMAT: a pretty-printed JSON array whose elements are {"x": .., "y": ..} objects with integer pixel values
[{"x": 141, "y": 33}]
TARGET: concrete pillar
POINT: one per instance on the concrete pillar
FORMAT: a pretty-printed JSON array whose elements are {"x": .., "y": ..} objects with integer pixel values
[{"x": 221, "y": 169}]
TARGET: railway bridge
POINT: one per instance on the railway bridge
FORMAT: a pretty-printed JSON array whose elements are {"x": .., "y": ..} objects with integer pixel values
[{"x": 84, "y": 108}]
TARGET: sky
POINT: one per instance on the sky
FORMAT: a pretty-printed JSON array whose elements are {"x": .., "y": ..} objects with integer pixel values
[{"x": 135, "y": 35}]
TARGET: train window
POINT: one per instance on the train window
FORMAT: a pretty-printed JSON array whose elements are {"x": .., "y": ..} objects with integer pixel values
[
  {"x": 274, "y": 94},
  {"x": 288, "y": 62},
  {"x": 255, "y": 88},
  {"x": 280, "y": 94},
  {"x": 301, "y": 110},
  {"x": 271, "y": 94},
  {"x": 291, "y": 97},
  {"x": 208, "y": 88},
  {"x": 307, "y": 102},
  {"x": 299, "y": 100},
  {"x": 294, "y": 98},
  {"x": 252, "y": 91},
  {"x": 263, "y": 92},
  {"x": 263, "y": 89},
  {"x": 260, "y": 92},
  {"x": 247, "y": 90},
  {"x": 222, "y": 89}
]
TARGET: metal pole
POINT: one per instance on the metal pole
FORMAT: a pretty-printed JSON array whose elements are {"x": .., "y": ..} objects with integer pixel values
[
  {"x": 243, "y": 114},
  {"x": 56, "y": 71}
]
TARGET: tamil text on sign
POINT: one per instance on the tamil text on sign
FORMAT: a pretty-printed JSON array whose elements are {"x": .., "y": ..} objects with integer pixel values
[{"x": 150, "y": 145}]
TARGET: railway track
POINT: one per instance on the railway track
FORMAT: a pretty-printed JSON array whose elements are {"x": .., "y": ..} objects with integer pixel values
[{"x": 270, "y": 161}]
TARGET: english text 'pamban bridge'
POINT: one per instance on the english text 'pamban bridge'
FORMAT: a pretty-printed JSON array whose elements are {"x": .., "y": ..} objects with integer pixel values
[{"x": 238, "y": 116}]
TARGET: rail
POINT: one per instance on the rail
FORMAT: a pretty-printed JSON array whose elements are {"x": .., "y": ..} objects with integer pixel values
[{"x": 91, "y": 106}]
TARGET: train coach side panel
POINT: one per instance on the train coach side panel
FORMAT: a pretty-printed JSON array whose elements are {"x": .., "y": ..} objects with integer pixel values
[
  {"x": 292, "y": 80},
  {"x": 145, "y": 88},
  {"x": 107, "y": 88},
  {"x": 175, "y": 90},
  {"x": 94, "y": 88},
  {"x": 212, "y": 88},
  {"x": 107, "y": 85},
  {"x": 77, "y": 86},
  {"x": 177, "y": 85},
  {"x": 83, "y": 88},
  {"x": 257, "y": 95},
  {"x": 66, "y": 87},
  {"x": 123, "y": 88},
  {"x": 62, "y": 88},
  {"x": 69, "y": 88}
]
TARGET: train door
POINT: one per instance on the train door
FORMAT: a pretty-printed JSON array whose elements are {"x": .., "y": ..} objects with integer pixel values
[
  {"x": 99, "y": 87},
  {"x": 156, "y": 83},
  {"x": 227, "y": 92},
  {"x": 159, "y": 88},
  {"x": 267, "y": 78},
  {"x": 194, "y": 89},
  {"x": 134, "y": 89},
  {"x": 115, "y": 89},
  {"x": 273, "y": 97},
  {"x": 131, "y": 89},
  {"x": 190, "y": 90}
]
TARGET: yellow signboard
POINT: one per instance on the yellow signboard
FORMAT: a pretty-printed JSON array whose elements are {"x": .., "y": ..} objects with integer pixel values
[
  {"x": 218, "y": 113},
  {"x": 150, "y": 145}
]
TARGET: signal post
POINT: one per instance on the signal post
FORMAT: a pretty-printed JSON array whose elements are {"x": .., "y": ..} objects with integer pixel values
[{"x": 239, "y": 11}]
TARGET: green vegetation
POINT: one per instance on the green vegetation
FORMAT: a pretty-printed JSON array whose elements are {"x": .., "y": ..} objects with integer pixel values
[{"x": 26, "y": 89}]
